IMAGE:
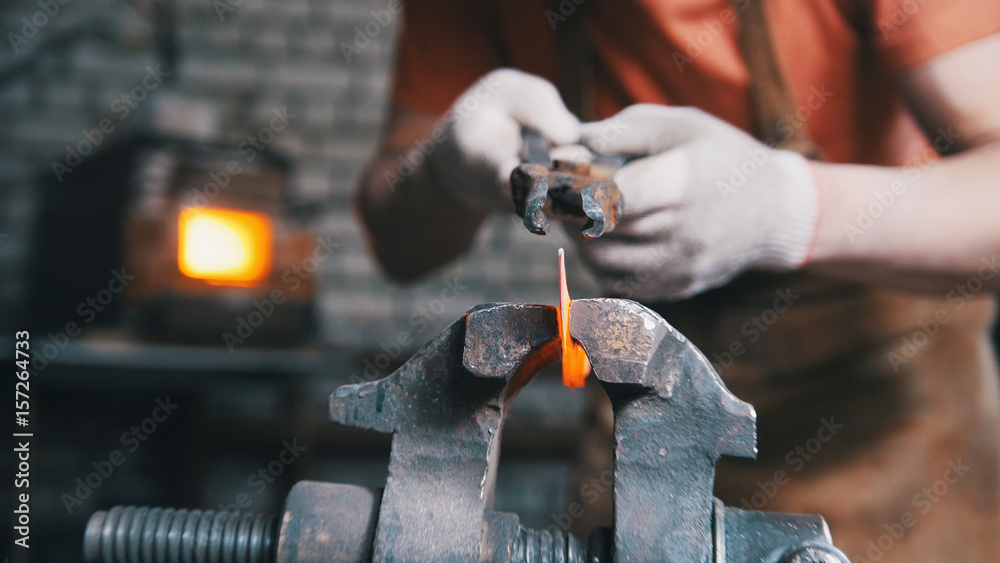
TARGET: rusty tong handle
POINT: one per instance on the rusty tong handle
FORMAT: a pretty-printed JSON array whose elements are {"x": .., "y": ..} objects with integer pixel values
[{"x": 534, "y": 147}]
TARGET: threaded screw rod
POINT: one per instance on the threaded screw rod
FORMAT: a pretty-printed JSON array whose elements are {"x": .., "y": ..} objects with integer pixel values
[
  {"x": 556, "y": 546},
  {"x": 130, "y": 534}
]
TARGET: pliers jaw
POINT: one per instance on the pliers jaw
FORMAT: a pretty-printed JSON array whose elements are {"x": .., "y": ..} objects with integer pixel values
[{"x": 570, "y": 188}]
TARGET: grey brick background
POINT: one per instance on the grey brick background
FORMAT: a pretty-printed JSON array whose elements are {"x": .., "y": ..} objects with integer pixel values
[{"x": 261, "y": 55}]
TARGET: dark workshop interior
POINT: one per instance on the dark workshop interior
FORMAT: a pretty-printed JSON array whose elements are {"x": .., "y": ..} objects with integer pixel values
[
  {"x": 237, "y": 402},
  {"x": 182, "y": 245}
]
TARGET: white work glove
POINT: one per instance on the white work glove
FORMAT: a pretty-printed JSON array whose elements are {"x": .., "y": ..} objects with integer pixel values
[
  {"x": 703, "y": 203},
  {"x": 481, "y": 142}
]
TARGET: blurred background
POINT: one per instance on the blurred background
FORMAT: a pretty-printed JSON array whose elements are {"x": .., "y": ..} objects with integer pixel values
[{"x": 169, "y": 371}]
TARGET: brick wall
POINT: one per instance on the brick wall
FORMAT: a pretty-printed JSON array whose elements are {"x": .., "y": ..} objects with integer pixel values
[{"x": 244, "y": 62}]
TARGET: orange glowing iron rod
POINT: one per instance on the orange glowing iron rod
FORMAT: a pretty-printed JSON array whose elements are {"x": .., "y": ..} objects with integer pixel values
[{"x": 575, "y": 363}]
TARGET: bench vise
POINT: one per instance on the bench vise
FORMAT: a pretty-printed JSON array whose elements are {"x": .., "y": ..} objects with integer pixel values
[{"x": 446, "y": 406}]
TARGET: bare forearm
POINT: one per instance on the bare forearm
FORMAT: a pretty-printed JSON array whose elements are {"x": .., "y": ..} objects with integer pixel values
[
  {"x": 412, "y": 229},
  {"x": 918, "y": 227}
]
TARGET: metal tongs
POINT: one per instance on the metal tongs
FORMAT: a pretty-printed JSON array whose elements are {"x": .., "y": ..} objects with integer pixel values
[{"x": 571, "y": 188}]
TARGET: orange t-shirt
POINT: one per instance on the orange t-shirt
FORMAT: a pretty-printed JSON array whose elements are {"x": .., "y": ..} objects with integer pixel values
[{"x": 839, "y": 58}]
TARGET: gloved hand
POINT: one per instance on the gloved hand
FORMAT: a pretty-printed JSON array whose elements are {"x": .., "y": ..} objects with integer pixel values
[
  {"x": 481, "y": 142},
  {"x": 703, "y": 203}
]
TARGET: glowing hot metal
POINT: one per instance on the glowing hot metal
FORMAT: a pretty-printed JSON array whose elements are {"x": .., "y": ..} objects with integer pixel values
[{"x": 575, "y": 363}]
